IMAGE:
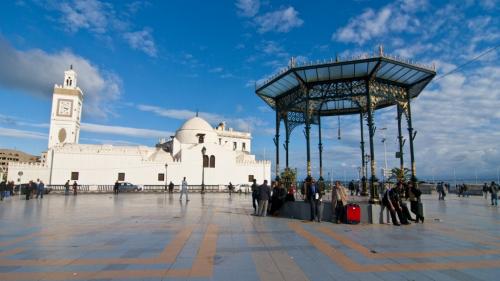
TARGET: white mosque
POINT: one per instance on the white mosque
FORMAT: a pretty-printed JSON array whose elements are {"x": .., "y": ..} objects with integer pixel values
[{"x": 221, "y": 154}]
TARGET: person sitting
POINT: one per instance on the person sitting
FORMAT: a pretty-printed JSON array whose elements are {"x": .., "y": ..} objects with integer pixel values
[
  {"x": 396, "y": 202},
  {"x": 402, "y": 193}
]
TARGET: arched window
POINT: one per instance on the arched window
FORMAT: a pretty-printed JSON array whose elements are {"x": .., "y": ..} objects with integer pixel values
[
  {"x": 212, "y": 161},
  {"x": 205, "y": 161}
]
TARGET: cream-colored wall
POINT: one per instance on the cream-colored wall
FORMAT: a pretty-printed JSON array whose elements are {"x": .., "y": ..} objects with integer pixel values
[
  {"x": 103, "y": 168},
  {"x": 30, "y": 171}
]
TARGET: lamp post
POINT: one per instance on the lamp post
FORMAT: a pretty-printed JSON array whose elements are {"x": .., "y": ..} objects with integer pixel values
[
  {"x": 385, "y": 151},
  {"x": 498, "y": 174},
  {"x": 203, "y": 152},
  {"x": 166, "y": 182},
  {"x": 367, "y": 158}
]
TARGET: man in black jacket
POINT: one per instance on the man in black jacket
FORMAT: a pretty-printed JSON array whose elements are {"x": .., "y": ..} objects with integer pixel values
[
  {"x": 313, "y": 196},
  {"x": 264, "y": 195}
]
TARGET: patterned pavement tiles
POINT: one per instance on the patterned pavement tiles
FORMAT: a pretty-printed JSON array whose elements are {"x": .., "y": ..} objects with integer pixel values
[{"x": 215, "y": 237}]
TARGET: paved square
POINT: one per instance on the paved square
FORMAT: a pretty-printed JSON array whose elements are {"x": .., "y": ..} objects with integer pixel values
[{"x": 215, "y": 237}]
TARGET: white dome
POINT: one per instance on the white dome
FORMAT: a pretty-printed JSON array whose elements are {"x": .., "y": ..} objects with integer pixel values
[{"x": 194, "y": 126}]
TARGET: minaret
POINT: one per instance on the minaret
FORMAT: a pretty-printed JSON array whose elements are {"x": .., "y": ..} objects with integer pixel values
[{"x": 66, "y": 111}]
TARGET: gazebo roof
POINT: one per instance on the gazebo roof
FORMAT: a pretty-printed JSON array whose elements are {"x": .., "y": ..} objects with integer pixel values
[{"x": 338, "y": 87}]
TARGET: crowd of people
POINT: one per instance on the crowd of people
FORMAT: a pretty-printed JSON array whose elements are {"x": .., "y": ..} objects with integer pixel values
[
  {"x": 6, "y": 189},
  {"x": 393, "y": 199},
  {"x": 30, "y": 189},
  {"x": 493, "y": 190}
]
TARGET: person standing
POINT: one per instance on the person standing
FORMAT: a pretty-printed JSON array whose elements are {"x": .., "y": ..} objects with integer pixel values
[
  {"x": 40, "y": 189},
  {"x": 439, "y": 189},
  {"x": 75, "y": 188},
  {"x": 415, "y": 202},
  {"x": 255, "y": 196},
  {"x": 184, "y": 189},
  {"x": 313, "y": 196},
  {"x": 66, "y": 188},
  {"x": 116, "y": 187},
  {"x": 3, "y": 190},
  {"x": 486, "y": 188},
  {"x": 494, "y": 193},
  {"x": 277, "y": 198},
  {"x": 351, "y": 187},
  {"x": 230, "y": 187},
  {"x": 264, "y": 195},
  {"x": 29, "y": 189},
  {"x": 171, "y": 187},
  {"x": 339, "y": 200},
  {"x": 10, "y": 188}
]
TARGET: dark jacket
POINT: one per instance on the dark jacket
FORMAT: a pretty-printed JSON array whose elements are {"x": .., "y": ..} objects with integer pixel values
[
  {"x": 3, "y": 186},
  {"x": 264, "y": 192},
  {"x": 255, "y": 190},
  {"x": 312, "y": 194}
]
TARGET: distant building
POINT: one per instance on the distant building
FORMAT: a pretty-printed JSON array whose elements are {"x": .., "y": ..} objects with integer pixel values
[
  {"x": 15, "y": 156},
  {"x": 227, "y": 156}
]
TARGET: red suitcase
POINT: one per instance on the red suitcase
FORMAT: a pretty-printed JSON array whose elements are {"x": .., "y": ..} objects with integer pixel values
[{"x": 353, "y": 213}]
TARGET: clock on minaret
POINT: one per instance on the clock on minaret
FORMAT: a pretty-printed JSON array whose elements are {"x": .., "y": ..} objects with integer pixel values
[
  {"x": 65, "y": 107},
  {"x": 67, "y": 101}
]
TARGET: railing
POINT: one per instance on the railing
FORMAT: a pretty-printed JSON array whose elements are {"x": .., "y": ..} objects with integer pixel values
[
  {"x": 150, "y": 188},
  {"x": 62, "y": 188}
]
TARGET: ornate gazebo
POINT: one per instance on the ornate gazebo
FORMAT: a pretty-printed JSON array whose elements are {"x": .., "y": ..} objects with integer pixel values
[{"x": 303, "y": 93}]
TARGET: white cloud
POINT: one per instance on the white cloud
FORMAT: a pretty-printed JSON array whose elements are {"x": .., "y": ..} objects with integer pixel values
[
  {"x": 282, "y": 20},
  {"x": 124, "y": 131},
  {"x": 248, "y": 8},
  {"x": 364, "y": 27},
  {"x": 270, "y": 47},
  {"x": 142, "y": 40},
  {"x": 180, "y": 114},
  {"x": 101, "y": 20},
  {"x": 91, "y": 14},
  {"x": 396, "y": 17},
  {"x": 35, "y": 72},
  {"x": 248, "y": 123},
  {"x": 22, "y": 134},
  {"x": 216, "y": 70}
]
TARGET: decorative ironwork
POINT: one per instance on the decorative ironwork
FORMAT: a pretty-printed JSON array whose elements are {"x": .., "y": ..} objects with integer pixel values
[{"x": 302, "y": 94}]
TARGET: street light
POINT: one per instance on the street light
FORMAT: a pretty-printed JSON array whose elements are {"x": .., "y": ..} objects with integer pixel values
[
  {"x": 385, "y": 151},
  {"x": 203, "y": 152},
  {"x": 498, "y": 174}
]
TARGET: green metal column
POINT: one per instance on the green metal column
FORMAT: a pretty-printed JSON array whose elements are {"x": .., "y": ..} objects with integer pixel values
[
  {"x": 287, "y": 139},
  {"x": 276, "y": 142},
  {"x": 374, "y": 198},
  {"x": 411, "y": 135},
  {"x": 320, "y": 147},
  {"x": 308, "y": 133},
  {"x": 364, "y": 191},
  {"x": 400, "y": 139}
]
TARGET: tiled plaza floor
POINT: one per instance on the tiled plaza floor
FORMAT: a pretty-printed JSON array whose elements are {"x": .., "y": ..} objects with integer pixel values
[{"x": 214, "y": 237}]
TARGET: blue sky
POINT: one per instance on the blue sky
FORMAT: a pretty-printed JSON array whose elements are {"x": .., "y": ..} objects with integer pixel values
[{"x": 145, "y": 67}]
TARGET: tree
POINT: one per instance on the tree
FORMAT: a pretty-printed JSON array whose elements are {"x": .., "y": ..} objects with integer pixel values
[
  {"x": 400, "y": 175},
  {"x": 288, "y": 177}
]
